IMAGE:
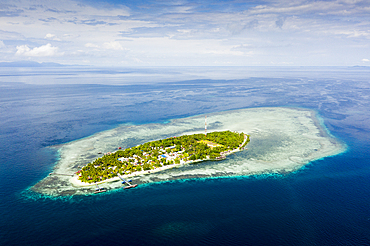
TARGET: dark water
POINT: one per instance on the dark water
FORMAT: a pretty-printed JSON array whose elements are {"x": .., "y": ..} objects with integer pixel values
[{"x": 325, "y": 203}]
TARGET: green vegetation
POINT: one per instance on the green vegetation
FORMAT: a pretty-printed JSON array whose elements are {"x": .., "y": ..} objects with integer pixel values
[{"x": 163, "y": 152}]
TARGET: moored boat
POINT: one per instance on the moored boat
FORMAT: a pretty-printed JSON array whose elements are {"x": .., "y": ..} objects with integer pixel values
[
  {"x": 101, "y": 190},
  {"x": 130, "y": 186}
]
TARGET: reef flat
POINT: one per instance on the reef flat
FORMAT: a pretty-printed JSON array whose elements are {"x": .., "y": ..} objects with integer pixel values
[{"x": 282, "y": 140}]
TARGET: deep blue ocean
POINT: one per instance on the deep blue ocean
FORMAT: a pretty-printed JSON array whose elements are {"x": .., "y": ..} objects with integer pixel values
[{"x": 325, "y": 203}]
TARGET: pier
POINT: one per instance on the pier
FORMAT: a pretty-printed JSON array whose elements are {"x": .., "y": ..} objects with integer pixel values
[
  {"x": 61, "y": 174},
  {"x": 129, "y": 185}
]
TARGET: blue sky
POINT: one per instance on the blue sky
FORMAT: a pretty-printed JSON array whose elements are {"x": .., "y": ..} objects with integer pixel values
[{"x": 186, "y": 33}]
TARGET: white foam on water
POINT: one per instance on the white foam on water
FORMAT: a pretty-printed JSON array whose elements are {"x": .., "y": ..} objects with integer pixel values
[{"x": 282, "y": 140}]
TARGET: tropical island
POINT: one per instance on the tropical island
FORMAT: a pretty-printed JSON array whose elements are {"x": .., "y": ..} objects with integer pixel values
[
  {"x": 282, "y": 140},
  {"x": 154, "y": 155}
]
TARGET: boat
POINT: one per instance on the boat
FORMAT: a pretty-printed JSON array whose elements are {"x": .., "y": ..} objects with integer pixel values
[
  {"x": 130, "y": 186},
  {"x": 100, "y": 191},
  {"x": 222, "y": 157}
]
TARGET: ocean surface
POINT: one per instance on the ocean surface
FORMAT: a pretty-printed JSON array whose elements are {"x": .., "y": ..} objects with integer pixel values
[{"x": 325, "y": 203}]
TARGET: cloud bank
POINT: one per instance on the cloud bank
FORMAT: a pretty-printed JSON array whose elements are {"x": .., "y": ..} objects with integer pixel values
[
  {"x": 44, "y": 50},
  {"x": 200, "y": 33}
]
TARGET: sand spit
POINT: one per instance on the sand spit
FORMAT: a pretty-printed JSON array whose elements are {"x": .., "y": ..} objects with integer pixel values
[{"x": 282, "y": 140}]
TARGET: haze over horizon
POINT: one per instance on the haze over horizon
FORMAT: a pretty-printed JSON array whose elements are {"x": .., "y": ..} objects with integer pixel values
[{"x": 186, "y": 32}]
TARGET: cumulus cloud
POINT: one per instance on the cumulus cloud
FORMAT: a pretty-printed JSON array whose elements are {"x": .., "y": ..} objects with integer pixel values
[
  {"x": 2, "y": 45},
  {"x": 49, "y": 35},
  {"x": 52, "y": 37},
  {"x": 365, "y": 60},
  {"x": 44, "y": 50},
  {"x": 114, "y": 45}
]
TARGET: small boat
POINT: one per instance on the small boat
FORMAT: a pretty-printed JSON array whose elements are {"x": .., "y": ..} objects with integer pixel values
[
  {"x": 100, "y": 191},
  {"x": 130, "y": 186}
]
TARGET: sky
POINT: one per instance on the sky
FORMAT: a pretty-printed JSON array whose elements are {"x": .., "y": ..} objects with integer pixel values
[{"x": 186, "y": 32}]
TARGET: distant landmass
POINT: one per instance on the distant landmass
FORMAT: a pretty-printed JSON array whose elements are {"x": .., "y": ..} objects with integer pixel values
[
  {"x": 30, "y": 64},
  {"x": 364, "y": 67}
]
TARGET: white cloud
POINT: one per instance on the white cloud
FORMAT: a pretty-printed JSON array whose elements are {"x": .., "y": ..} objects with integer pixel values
[
  {"x": 354, "y": 33},
  {"x": 365, "y": 60},
  {"x": 114, "y": 45},
  {"x": 52, "y": 37},
  {"x": 315, "y": 7},
  {"x": 22, "y": 49},
  {"x": 44, "y": 50},
  {"x": 179, "y": 33},
  {"x": 90, "y": 45},
  {"x": 49, "y": 35}
]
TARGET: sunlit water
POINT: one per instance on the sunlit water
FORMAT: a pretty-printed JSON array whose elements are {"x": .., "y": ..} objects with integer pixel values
[{"x": 323, "y": 203}]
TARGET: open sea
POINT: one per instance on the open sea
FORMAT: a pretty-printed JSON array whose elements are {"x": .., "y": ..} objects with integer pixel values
[{"x": 325, "y": 203}]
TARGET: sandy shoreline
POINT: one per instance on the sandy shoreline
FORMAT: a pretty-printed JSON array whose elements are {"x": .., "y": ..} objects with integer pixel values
[
  {"x": 282, "y": 140},
  {"x": 77, "y": 183}
]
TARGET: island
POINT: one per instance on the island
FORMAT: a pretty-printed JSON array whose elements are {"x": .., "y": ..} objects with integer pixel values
[
  {"x": 170, "y": 152},
  {"x": 282, "y": 141}
]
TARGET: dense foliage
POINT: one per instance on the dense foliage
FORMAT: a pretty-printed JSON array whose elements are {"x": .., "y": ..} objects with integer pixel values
[{"x": 157, "y": 153}]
